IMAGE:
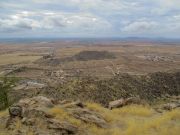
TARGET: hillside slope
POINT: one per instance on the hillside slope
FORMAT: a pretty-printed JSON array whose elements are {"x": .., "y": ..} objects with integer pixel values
[
  {"x": 148, "y": 87},
  {"x": 42, "y": 116}
]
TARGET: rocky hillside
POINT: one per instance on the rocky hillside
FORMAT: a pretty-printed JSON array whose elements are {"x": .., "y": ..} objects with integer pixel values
[
  {"x": 148, "y": 87},
  {"x": 122, "y": 105},
  {"x": 93, "y": 55},
  {"x": 42, "y": 116},
  {"x": 81, "y": 56}
]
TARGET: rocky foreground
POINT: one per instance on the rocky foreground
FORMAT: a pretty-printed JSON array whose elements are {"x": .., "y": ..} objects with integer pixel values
[{"x": 43, "y": 116}]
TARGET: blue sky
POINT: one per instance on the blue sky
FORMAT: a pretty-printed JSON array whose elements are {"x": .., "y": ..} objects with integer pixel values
[{"x": 90, "y": 18}]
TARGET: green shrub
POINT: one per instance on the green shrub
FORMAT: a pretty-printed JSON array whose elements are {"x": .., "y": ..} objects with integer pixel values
[{"x": 5, "y": 87}]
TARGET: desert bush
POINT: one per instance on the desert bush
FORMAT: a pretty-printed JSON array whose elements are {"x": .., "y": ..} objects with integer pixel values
[
  {"x": 148, "y": 87},
  {"x": 5, "y": 87}
]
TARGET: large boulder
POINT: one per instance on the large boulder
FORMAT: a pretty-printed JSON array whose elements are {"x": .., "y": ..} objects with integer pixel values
[
  {"x": 133, "y": 100},
  {"x": 35, "y": 102},
  {"x": 32, "y": 85},
  {"x": 117, "y": 103},
  {"x": 123, "y": 102},
  {"x": 63, "y": 126},
  {"x": 69, "y": 104},
  {"x": 31, "y": 107},
  {"x": 15, "y": 111},
  {"x": 89, "y": 117},
  {"x": 173, "y": 102},
  {"x": 170, "y": 106}
]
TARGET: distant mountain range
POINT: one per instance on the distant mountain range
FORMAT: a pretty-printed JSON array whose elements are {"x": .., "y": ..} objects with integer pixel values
[{"x": 126, "y": 39}]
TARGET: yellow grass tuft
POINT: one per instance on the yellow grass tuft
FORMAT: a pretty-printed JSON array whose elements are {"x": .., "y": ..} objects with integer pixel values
[
  {"x": 95, "y": 107},
  {"x": 59, "y": 112},
  {"x": 137, "y": 110},
  {"x": 30, "y": 132},
  {"x": 160, "y": 125},
  {"x": 3, "y": 113},
  {"x": 18, "y": 124},
  {"x": 137, "y": 120},
  {"x": 98, "y": 131},
  {"x": 164, "y": 119},
  {"x": 116, "y": 131},
  {"x": 63, "y": 115},
  {"x": 106, "y": 113}
]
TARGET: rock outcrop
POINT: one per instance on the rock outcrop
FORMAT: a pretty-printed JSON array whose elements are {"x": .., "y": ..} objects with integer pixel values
[
  {"x": 34, "y": 113},
  {"x": 170, "y": 106},
  {"x": 89, "y": 117},
  {"x": 122, "y": 102},
  {"x": 172, "y": 103},
  {"x": 15, "y": 111}
]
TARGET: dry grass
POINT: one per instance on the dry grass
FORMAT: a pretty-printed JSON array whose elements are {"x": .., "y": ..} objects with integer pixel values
[
  {"x": 137, "y": 120},
  {"x": 2, "y": 126},
  {"x": 132, "y": 110},
  {"x": 96, "y": 107},
  {"x": 61, "y": 114},
  {"x": 18, "y": 124},
  {"x": 129, "y": 120},
  {"x": 3, "y": 113},
  {"x": 137, "y": 110},
  {"x": 16, "y": 58},
  {"x": 127, "y": 59},
  {"x": 165, "y": 124}
]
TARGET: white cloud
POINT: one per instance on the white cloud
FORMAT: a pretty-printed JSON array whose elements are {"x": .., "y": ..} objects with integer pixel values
[
  {"x": 169, "y": 3},
  {"x": 173, "y": 24},
  {"x": 104, "y": 6},
  {"x": 54, "y": 21},
  {"x": 113, "y": 17},
  {"x": 164, "y": 6},
  {"x": 140, "y": 26},
  {"x": 176, "y": 17}
]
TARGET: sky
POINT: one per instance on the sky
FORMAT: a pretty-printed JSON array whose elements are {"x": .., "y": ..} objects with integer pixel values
[{"x": 90, "y": 18}]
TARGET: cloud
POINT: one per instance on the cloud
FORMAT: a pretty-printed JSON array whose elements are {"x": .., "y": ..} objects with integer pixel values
[
  {"x": 95, "y": 17},
  {"x": 18, "y": 22},
  {"x": 105, "y": 5},
  {"x": 172, "y": 25},
  {"x": 140, "y": 26},
  {"x": 53, "y": 21},
  {"x": 165, "y": 6}
]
